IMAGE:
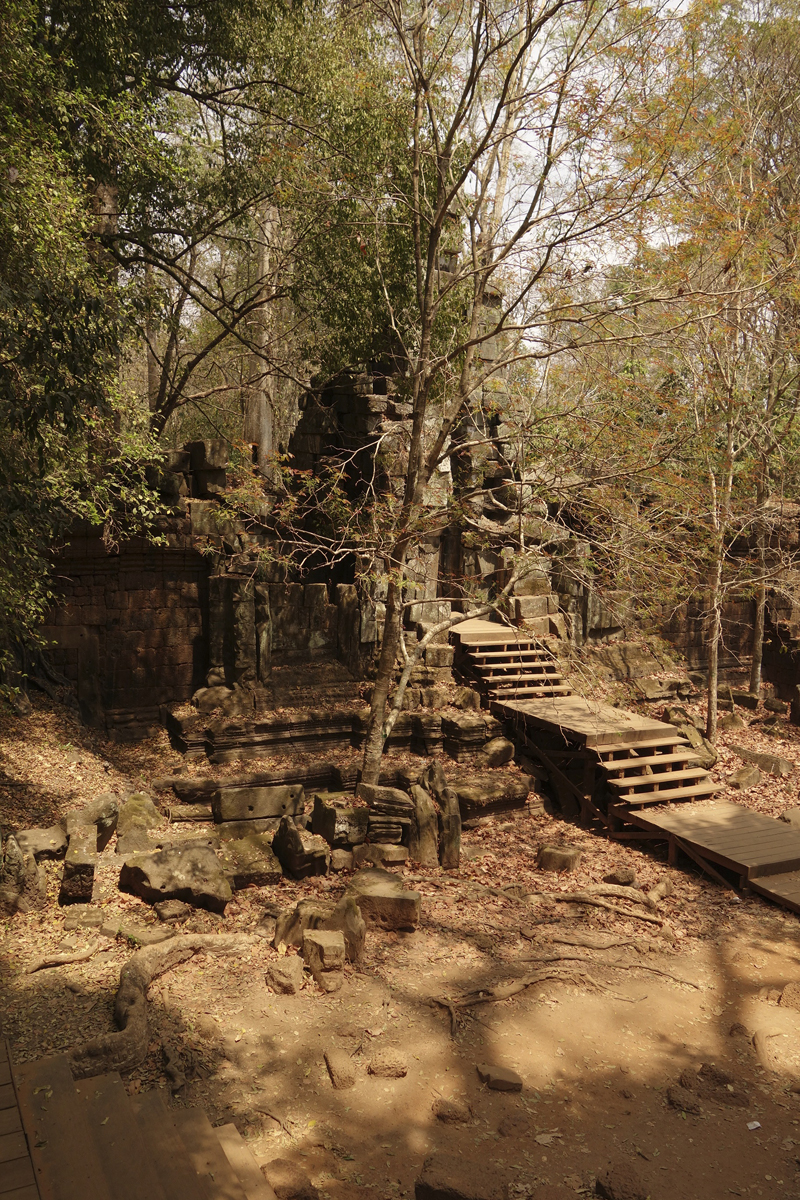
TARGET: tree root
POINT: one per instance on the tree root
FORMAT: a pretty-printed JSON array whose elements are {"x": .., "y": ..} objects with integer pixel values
[
  {"x": 616, "y": 963},
  {"x": 588, "y": 898},
  {"x": 126, "y": 1048},
  {"x": 62, "y": 960},
  {"x": 504, "y": 991}
]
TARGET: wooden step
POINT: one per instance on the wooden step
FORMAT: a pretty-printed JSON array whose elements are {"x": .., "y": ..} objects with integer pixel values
[
  {"x": 653, "y": 760},
  {"x": 533, "y": 655},
  {"x": 207, "y": 1156},
  {"x": 17, "y": 1180},
  {"x": 124, "y": 1154},
  {"x": 494, "y": 678},
  {"x": 528, "y": 693},
  {"x": 690, "y": 792},
  {"x": 65, "y": 1157},
  {"x": 178, "y": 1177},
  {"x": 631, "y": 781},
  {"x": 245, "y": 1166},
  {"x": 666, "y": 741},
  {"x": 487, "y": 645}
]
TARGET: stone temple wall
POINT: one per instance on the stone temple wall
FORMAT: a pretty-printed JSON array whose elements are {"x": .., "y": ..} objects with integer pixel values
[{"x": 130, "y": 630}]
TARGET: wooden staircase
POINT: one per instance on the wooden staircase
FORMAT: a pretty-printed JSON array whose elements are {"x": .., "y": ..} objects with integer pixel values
[
  {"x": 657, "y": 770},
  {"x": 89, "y": 1140},
  {"x": 505, "y": 664}
]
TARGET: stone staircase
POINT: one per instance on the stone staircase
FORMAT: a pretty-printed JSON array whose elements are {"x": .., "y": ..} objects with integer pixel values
[
  {"x": 506, "y": 663},
  {"x": 657, "y": 770},
  {"x": 89, "y": 1140}
]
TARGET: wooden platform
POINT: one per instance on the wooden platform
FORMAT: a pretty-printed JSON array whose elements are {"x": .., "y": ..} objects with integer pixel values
[
  {"x": 754, "y": 847},
  {"x": 17, "y": 1178},
  {"x": 583, "y": 722}
]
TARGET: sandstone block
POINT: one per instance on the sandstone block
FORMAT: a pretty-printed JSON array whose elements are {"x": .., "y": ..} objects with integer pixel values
[
  {"x": 252, "y": 803},
  {"x": 323, "y": 950},
  {"x": 301, "y": 854},
  {"x": 77, "y": 880},
  {"x": 452, "y": 1177},
  {"x": 102, "y": 813},
  {"x": 388, "y": 1063},
  {"x": 338, "y": 822},
  {"x": 340, "y": 1068},
  {"x": 341, "y": 860},
  {"x": 137, "y": 812},
  {"x": 744, "y": 778},
  {"x": 249, "y": 861},
  {"x": 498, "y": 751},
  {"x": 382, "y": 900},
  {"x": 499, "y": 1079},
  {"x": 558, "y": 858},
  {"x": 43, "y": 843},
  {"x": 190, "y": 872},
  {"x": 292, "y": 923},
  {"x": 285, "y": 975}
]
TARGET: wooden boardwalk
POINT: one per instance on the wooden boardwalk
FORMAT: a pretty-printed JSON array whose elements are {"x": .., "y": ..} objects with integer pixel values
[
  {"x": 628, "y": 772},
  {"x": 17, "y": 1178}
]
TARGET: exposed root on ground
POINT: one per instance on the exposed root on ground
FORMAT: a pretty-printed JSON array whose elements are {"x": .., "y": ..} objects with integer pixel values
[
  {"x": 62, "y": 960},
  {"x": 127, "y": 1047}
]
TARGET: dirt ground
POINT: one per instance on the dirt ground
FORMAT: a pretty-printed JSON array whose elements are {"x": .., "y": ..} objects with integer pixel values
[{"x": 597, "y": 1048}]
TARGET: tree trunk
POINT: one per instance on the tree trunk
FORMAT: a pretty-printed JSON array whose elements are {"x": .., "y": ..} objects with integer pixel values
[
  {"x": 715, "y": 636},
  {"x": 392, "y": 632},
  {"x": 259, "y": 409},
  {"x": 761, "y": 595}
]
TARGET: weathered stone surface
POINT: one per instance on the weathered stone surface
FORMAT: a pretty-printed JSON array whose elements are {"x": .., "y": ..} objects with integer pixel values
[
  {"x": 682, "y": 1099},
  {"x": 340, "y": 1068},
  {"x": 191, "y": 872},
  {"x": 135, "y": 842},
  {"x": 254, "y": 803},
  {"x": 380, "y": 853},
  {"x": 347, "y": 919},
  {"x": 622, "y": 876},
  {"x": 499, "y": 1079},
  {"x": 81, "y": 916},
  {"x": 626, "y": 660},
  {"x": 77, "y": 880},
  {"x": 341, "y": 860},
  {"x": 423, "y": 844},
  {"x": 558, "y": 858},
  {"x": 792, "y": 817},
  {"x": 770, "y": 764},
  {"x": 173, "y": 912},
  {"x": 746, "y": 700},
  {"x": 289, "y": 1181},
  {"x": 732, "y": 721},
  {"x": 386, "y": 798},
  {"x": 774, "y": 705},
  {"x": 388, "y": 1063},
  {"x": 249, "y": 862},
  {"x": 790, "y": 996},
  {"x": 23, "y": 883},
  {"x": 292, "y": 923},
  {"x": 301, "y": 854},
  {"x": 451, "y": 1177},
  {"x": 451, "y": 1112},
  {"x": 285, "y": 975},
  {"x": 207, "y": 699},
  {"x": 323, "y": 952},
  {"x": 137, "y": 812},
  {"x": 449, "y": 831},
  {"x": 498, "y": 751},
  {"x": 228, "y": 831},
  {"x": 621, "y": 1181},
  {"x": 339, "y": 822},
  {"x": 48, "y": 843},
  {"x": 102, "y": 813},
  {"x": 492, "y": 794},
  {"x": 744, "y": 778},
  {"x": 382, "y": 900}
]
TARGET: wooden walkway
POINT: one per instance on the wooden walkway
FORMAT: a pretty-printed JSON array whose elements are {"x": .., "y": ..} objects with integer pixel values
[
  {"x": 628, "y": 772},
  {"x": 17, "y": 1178}
]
